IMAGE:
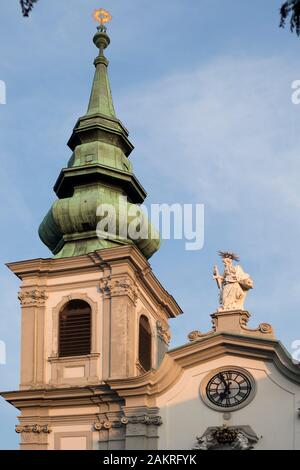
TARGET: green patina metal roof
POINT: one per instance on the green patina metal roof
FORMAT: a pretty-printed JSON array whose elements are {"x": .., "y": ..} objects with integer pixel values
[{"x": 98, "y": 172}]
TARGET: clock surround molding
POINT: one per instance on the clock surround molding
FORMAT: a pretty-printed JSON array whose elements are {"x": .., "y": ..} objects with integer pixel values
[{"x": 212, "y": 373}]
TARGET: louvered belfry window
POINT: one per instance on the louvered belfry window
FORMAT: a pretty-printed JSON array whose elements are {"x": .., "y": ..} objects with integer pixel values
[
  {"x": 145, "y": 343},
  {"x": 75, "y": 329}
]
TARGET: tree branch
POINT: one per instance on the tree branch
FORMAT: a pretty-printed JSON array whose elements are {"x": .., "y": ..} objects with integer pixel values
[
  {"x": 27, "y": 6},
  {"x": 291, "y": 8}
]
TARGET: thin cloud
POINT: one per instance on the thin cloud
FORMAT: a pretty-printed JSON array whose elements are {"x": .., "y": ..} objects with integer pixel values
[{"x": 224, "y": 134}]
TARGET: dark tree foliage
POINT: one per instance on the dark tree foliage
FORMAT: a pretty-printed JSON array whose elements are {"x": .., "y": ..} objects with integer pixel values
[
  {"x": 27, "y": 6},
  {"x": 291, "y": 8}
]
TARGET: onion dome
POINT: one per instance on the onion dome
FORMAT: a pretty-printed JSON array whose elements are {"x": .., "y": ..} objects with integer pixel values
[{"x": 99, "y": 176}]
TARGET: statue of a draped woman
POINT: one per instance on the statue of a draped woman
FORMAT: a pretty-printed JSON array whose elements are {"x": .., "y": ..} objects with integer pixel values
[{"x": 234, "y": 284}]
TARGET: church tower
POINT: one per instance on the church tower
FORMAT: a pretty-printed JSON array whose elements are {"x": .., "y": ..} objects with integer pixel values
[
  {"x": 94, "y": 312},
  {"x": 96, "y": 371}
]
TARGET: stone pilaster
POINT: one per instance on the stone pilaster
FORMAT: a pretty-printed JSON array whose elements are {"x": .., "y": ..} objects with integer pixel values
[
  {"x": 34, "y": 437},
  {"x": 142, "y": 425},
  {"x": 111, "y": 432},
  {"x": 120, "y": 295},
  {"x": 163, "y": 340},
  {"x": 33, "y": 336}
]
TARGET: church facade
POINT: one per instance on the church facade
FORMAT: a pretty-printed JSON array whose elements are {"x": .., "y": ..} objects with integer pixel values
[{"x": 96, "y": 369}]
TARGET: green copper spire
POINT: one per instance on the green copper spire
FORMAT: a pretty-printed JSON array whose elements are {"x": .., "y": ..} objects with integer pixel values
[
  {"x": 101, "y": 100},
  {"x": 98, "y": 173}
]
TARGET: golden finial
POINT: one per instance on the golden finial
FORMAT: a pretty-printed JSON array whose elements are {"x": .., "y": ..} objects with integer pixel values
[{"x": 102, "y": 16}]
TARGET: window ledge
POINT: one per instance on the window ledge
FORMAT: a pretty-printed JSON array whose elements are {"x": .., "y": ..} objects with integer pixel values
[{"x": 73, "y": 358}]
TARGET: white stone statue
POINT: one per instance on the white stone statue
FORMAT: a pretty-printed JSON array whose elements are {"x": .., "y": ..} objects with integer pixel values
[{"x": 234, "y": 284}]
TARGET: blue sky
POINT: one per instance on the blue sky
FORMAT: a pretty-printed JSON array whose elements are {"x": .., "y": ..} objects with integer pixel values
[{"x": 207, "y": 101}]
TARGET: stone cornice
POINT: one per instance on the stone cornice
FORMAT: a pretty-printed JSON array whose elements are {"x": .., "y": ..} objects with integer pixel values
[
  {"x": 147, "y": 387},
  {"x": 52, "y": 267},
  {"x": 209, "y": 348},
  {"x": 58, "y": 397},
  {"x": 245, "y": 346},
  {"x": 100, "y": 260}
]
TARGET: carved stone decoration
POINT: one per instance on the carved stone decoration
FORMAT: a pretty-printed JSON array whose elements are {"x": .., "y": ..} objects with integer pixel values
[
  {"x": 234, "y": 283},
  {"x": 119, "y": 287},
  {"x": 35, "y": 429},
  {"x": 196, "y": 335},
  {"x": 235, "y": 321},
  {"x": 263, "y": 328},
  {"x": 163, "y": 331},
  {"x": 144, "y": 419},
  {"x": 205, "y": 442},
  {"x": 106, "y": 424},
  {"x": 103, "y": 425},
  {"x": 33, "y": 298},
  {"x": 227, "y": 438},
  {"x": 117, "y": 423},
  {"x": 242, "y": 442}
]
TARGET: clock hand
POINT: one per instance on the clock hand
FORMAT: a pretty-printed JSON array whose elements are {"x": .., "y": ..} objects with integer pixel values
[
  {"x": 221, "y": 377},
  {"x": 225, "y": 393}
]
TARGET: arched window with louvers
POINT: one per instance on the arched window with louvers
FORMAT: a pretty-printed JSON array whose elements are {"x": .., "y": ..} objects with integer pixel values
[
  {"x": 145, "y": 344},
  {"x": 75, "y": 328}
]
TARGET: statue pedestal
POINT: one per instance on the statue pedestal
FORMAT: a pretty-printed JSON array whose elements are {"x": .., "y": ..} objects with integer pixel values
[
  {"x": 231, "y": 320},
  {"x": 235, "y": 321}
]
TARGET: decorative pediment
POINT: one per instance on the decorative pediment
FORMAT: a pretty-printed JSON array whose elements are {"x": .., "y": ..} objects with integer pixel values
[{"x": 206, "y": 349}]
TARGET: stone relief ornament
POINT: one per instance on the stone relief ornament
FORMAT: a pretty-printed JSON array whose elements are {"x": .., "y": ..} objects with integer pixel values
[
  {"x": 196, "y": 335},
  {"x": 234, "y": 284},
  {"x": 32, "y": 298},
  {"x": 103, "y": 424},
  {"x": 163, "y": 331},
  {"x": 144, "y": 419},
  {"x": 227, "y": 438},
  {"x": 106, "y": 423},
  {"x": 119, "y": 287},
  {"x": 263, "y": 328},
  {"x": 35, "y": 429}
]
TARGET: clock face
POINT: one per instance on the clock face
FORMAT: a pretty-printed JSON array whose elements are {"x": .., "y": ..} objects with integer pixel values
[{"x": 228, "y": 388}]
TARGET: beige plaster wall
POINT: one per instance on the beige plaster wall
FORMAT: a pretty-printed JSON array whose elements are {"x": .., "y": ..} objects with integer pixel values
[
  {"x": 115, "y": 331},
  {"x": 272, "y": 414}
]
